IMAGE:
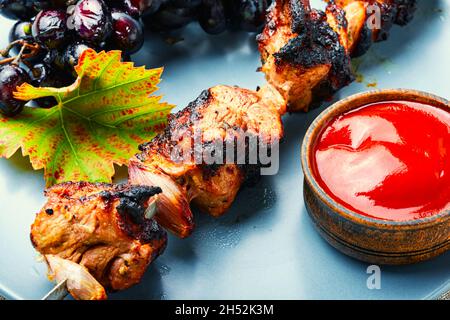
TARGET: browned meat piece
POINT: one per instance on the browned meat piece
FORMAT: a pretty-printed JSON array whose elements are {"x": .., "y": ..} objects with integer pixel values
[
  {"x": 98, "y": 235},
  {"x": 220, "y": 114},
  {"x": 360, "y": 14},
  {"x": 400, "y": 12},
  {"x": 359, "y": 35},
  {"x": 302, "y": 54},
  {"x": 306, "y": 53},
  {"x": 306, "y": 57}
]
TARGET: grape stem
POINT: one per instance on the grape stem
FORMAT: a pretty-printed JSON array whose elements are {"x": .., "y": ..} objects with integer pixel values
[
  {"x": 34, "y": 49},
  {"x": 16, "y": 60}
]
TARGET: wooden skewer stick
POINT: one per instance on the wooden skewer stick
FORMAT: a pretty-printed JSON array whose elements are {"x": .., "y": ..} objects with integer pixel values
[{"x": 59, "y": 292}]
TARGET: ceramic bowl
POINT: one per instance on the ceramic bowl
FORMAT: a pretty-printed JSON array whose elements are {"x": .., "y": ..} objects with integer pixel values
[{"x": 372, "y": 240}]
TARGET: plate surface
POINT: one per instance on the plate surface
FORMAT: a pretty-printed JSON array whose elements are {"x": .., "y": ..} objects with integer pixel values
[{"x": 265, "y": 247}]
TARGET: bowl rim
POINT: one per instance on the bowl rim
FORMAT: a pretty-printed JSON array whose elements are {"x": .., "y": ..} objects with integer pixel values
[{"x": 330, "y": 113}]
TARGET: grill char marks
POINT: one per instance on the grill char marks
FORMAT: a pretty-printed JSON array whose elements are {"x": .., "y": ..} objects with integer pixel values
[
  {"x": 306, "y": 53},
  {"x": 179, "y": 128},
  {"x": 361, "y": 15},
  {"x": 318, "y": 44},
  {"x": 405, "y": 11},
  {"x": 189, "y": 159},
  {"x": 302, "y": 54},
  {"x": 306, "y": 57},
  {"x": 132, "y": 208},
  {"x": 98, "y": 229},
  {"x": 300, "y": 12}
]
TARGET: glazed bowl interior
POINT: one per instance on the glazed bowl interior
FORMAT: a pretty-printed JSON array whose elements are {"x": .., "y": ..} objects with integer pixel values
[{"x": 343, "y": 106}]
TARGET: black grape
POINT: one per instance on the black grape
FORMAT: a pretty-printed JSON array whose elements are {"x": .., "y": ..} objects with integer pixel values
[
  {"x": 45, "y": 102},
  {"x": 147, "y": 7},
  {"x": 185, "y": 3},
  {"x": 212, "y": 16},
  {"x": 20, "y": 31},
  {"x": 11, "y": 76},
  {"x": 136, "y": 8},
  {"x": 250, "y": 14},
  {"x": 38, "y": 73},
  {"x": 45, "y": 75},
  {"x": 50, "y": 57},
  {"x": 127, "y": 34},
  {"x": 68, "y": 58},
  {"x": 90, "y": 20},
  {"x": 18, "y": 9},
  {"x": 170, "y": 18},
  {"x": 51, "y": 4},
  {"x": 72, "y": 54},
  {"x": 126, "y": 6},
  {"x": 49, "y": 28}
]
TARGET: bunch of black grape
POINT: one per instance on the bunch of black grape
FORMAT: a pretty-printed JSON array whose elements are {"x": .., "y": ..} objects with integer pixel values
[
  {"x": 214, "y": 16},
  {"x": 50, "y": 35}
]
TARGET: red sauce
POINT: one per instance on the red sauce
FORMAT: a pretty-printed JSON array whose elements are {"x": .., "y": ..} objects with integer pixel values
[{"x": 387, "y": 160}]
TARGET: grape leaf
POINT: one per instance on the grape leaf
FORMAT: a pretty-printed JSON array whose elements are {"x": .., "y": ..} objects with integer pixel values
[{"x": 98, "y": 121}]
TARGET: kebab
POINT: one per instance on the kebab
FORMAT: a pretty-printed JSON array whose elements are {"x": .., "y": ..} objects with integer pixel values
[{"x": 305, "y": 56}]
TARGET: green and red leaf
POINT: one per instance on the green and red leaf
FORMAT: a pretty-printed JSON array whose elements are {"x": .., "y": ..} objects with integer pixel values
[{"x": 98, "y": 121}]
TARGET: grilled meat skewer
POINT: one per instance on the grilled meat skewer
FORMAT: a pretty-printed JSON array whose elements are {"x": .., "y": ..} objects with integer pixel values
[
  {"x": 306, "y": 57},
  {"x": 221, "y": 114},
  {"x": 306, "y": 52},
  {"x": 97, "y": 236},
  {"x": 360, "y": 14}
]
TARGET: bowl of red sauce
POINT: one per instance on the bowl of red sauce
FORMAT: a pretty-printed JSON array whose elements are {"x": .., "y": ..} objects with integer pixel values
[{"x": 377, "y": 176}]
